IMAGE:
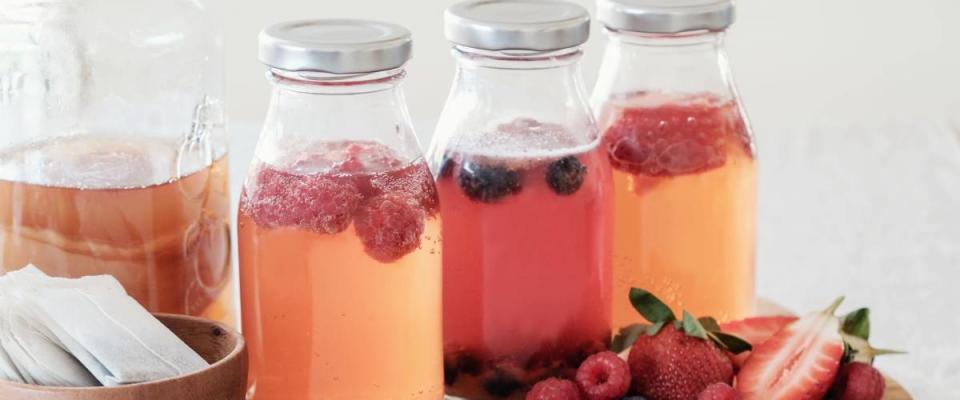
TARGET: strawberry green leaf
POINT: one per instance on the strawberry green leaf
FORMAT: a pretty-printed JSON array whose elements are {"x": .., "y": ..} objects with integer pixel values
[
  {"x": 650, "y": 307},
  {"x": 652, "y": 330},
  {"x": 627, "y": 336},
  {"x": 857, "y": 323},
  {"x": 710, "y": 324},
  {"x": 730, "y": 342},
  {"x": 692, "y": 327}
]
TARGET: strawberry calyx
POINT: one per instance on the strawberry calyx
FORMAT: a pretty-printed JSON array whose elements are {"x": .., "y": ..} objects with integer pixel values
[
  {"x": 855, "y": 330},
  {"x": 659, "y": 315}
]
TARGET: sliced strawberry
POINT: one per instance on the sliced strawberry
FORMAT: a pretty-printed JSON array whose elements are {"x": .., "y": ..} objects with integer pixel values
[
  {"x": 755, "y": 330},
  {"x": 798, "y": 362}
]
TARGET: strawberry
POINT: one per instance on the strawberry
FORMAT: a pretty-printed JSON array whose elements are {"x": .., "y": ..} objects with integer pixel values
[
  {"x": 755, "y": 330},
  {"x": 676, "y": 360},
  {"x": 858, "y": 381},
  {"x": 675, "y": 366},
  {"x": 798, "y": 362},
  {"x": 719, "y": 391}
]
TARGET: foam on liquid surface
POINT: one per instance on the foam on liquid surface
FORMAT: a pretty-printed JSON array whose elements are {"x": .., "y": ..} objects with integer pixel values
[{"x": 98, "y": 162}]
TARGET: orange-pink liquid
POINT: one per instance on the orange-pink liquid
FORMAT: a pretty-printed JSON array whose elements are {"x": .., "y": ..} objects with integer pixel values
[
  {"x": 168, "y": 243},
  {"x": 685, "y": 205},
  {"x": 337, "y": 305}
]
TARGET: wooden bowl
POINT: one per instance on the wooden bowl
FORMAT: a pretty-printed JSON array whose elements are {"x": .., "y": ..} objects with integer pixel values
[{"x": 225, "y": 379}]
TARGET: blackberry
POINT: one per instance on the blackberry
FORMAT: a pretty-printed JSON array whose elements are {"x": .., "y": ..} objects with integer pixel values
[
  {"x": 501, "y": 384},
  {"x": 488, "y": 184},
  {"x": 565, "y": 176},
  {"x": 450, "y": 374},
  {"x": 469, "y": 364},
  {"x": 446, "y": 168}
]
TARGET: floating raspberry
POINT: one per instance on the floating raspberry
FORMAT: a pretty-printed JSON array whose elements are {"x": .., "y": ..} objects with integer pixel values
[
  {"x": 719, "y": 391},
  {"x": 554, "y": 389},
  {"x": 320, "y": 203},
  {"x": 676, "y": 138},
  {"x": 604, "y": 376},
  {"x": 414, "y": 180},
  {"x": 565, "y": 176},
  {"x": 486, "y": 183},
  {"x": 858, "y": 381},
  {"x": 389, "y": 226}
]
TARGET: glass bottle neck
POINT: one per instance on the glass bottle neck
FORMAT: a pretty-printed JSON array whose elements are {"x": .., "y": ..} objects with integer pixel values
[
  {"x": 684, "y": 63},
  {"x": 499, "y": 87},
  {"x": 505, "y": 73},
  {"x": 307, "y": 108}
]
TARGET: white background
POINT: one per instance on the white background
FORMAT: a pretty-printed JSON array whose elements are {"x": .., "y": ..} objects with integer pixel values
[{"x": 854, "y": 105}]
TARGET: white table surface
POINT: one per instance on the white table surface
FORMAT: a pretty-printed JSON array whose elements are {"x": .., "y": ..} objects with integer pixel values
[{"x": 872, "y": 213}]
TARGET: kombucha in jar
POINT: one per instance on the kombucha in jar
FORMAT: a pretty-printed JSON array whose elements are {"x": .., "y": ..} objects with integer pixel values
[
  {"x": 526, "y": 198},
  {"x": 683, "y": 159},
  {"x": 113, "y": 148},
  {"x": 339, "y": 232}
]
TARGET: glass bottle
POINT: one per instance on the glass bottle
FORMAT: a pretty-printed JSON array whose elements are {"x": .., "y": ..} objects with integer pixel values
[
  {"x": 683, "y": 163},
  {"x": 338, "y": 227},
  {"x": 112, "y": 148},
  {"x": 525, "y": 196}
]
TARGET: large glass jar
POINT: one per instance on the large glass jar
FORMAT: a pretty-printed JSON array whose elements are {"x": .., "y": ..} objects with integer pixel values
[
  {"x": 525, "y": 199},
  {"x": 682, "y": 155},
  {"x": 112, "y": 149},
  {"x": 338, "y": 229}
]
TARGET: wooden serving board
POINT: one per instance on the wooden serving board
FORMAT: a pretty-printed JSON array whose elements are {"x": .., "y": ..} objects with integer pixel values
[{"x": 894, "y": 390}]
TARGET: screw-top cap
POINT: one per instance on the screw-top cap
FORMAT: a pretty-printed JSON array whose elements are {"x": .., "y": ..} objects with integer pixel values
[
  {"x": 666, "y": 16},
  {"x": 536, "y": 25},
  {"x": 339, "y": 46}
]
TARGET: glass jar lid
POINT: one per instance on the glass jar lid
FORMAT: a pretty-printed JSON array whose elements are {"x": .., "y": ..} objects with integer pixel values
[
  {"x": 338, "y": 46},
  {"x": 533, "y": 25},
  {"x": 666, "y": 16}
]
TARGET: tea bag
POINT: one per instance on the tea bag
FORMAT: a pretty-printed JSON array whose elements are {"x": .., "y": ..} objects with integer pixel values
[
  {"x": 115, "y": 339},
  {"x": 33, "y": 353}
]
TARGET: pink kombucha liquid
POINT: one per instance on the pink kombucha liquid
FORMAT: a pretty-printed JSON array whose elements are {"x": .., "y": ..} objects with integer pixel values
[{"x": 526, "y": 268}]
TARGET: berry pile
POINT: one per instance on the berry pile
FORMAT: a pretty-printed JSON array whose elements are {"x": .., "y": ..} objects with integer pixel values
[
  {"x": 364, "y": 184},
  {"x": 504, "y": 377},
  {"x": 675, "y": 138},
  {"x": 818, "y": 356}
]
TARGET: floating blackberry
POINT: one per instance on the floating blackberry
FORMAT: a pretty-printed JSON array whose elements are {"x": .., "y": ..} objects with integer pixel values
[
  {"x": 488, "y": 184},
  {"x": 565, "y": 176}
]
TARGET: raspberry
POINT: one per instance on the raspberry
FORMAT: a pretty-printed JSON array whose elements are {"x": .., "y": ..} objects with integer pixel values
[
  {"x": 488, "y": 184},
  {"x": 858, "y": 381},
  {"x": 604, "y": 376},
  {"x": 389, "y": 226},
  {"x": 719, "y": 391},
  {"x": 675, "y": 138},
  {"x": 554, "y": 389},
  {"x": 415, "y": 180},
  {"x": 320, "y": 203},
  {"x": 565, "y": 175}
]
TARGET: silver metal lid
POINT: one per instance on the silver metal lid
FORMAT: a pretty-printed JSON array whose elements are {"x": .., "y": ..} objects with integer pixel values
[
  {"x": 339, "y": 46},
  {"x": 537, "y": 25},
  {"x": 666, "y": 16}
]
